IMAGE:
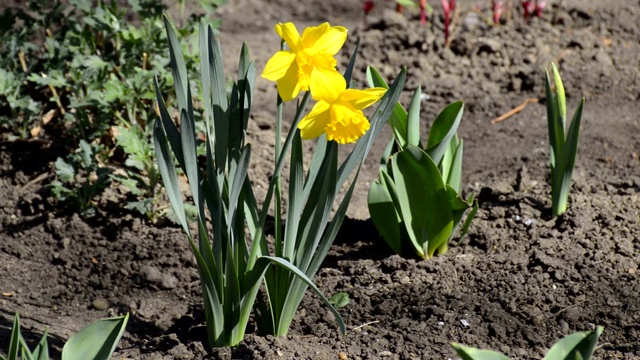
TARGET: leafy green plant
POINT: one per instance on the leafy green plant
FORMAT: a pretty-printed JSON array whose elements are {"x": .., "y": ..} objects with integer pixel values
[
  {"x": 94, "y": 342},
  {"x": 577, "y": 346},
  {"x": 562, "y": 148},
  {"x": 415, "y": 203},
  {"x": 232, "y": 263},
  {"x": 79, "y": 178},
  {"x": 143, "y": 176},
  {"x": 339, "y": 300},
  {"x": 83, "y": 68}
]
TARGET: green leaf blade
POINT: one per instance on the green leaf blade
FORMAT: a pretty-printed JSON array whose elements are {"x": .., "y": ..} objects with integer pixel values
[
  {"x": 469, "y": 353},
  {"x": 96, "y": 341},
  {"x": 580, "y": 345},
  {"x": 444, "y": 128},
  {"x": 428, "y": 217}
]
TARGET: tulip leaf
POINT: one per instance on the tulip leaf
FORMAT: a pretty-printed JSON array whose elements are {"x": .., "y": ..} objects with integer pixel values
[
  {"x": 576, "y": 346},
  {"x": 443, "y": 129},
  {"x": 382, "y": 210},
  {"x": 413, "y": 119},
  {"x": 427, "y": 217},
  {"x": 469, "y": 353},
  {"x": 398, "y": 118},
  {"x": 96, "y": 341},
  {"x": 452, "y": 164}
]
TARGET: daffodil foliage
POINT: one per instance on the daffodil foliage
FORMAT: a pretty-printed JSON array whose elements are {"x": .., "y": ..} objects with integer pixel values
[{"x": 230, "y": 247}]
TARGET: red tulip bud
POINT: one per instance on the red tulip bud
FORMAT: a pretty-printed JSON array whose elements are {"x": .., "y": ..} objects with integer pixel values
[
  {"x": 367, "y": 6},
  {"x": 423, "y": 12},
  {"x": 496, "y": 8},
  {"x": 539, "y": 6}
]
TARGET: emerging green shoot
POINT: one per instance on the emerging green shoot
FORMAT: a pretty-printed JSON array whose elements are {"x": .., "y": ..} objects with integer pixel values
[{"x": 562, "y": 148}]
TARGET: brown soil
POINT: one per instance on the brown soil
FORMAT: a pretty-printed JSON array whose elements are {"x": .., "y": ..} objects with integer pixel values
[{"x": 518, "y": 282}]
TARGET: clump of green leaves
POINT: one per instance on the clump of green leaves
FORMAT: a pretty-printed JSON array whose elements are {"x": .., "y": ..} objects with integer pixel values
[
  {"x": 415, "y": 203},
  {"x": 562, "y": 148},
  {"x": 79, "y": 178},
  {"x": 97, "y": 341},
  {"x": 577, "y": 346},
  {"x": 143, "y": 177},
  {"x": 231, "y": 247},
  {"x": 83, "y": 68}
]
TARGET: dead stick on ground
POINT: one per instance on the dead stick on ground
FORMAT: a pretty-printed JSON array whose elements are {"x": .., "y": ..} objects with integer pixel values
[
  {"x": 514, "y": 111},
  {"x": 365, "y": 324}
]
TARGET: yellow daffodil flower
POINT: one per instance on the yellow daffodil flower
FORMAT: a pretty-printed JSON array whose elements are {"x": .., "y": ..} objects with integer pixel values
[
  {"x": 338, "y": 112},
  {"x": 309, "y": 55}
]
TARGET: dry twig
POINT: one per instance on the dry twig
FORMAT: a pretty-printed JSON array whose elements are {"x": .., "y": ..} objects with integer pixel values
[{"x": 514, "y": 111}]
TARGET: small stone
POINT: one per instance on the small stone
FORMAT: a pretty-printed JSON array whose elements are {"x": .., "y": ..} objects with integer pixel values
[
  {"x": 471, "y": 21},
  {"x": 154, "y": 276},
  {"x": 564, "y": 327},
  {"x": 342, "y": 356},
  {"x": 100, "y": 303},
  {"x": 385, "y": 353}
]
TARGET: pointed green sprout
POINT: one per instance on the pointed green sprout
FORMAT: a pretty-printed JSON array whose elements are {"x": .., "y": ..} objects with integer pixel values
[
  {"x": 232, "y": 268},
  {"x": 97, "y": 341},
  {"x": 415, "y": 202},
  {"x": 577, "y": 346},
  {"x": 563, "y": 148}
]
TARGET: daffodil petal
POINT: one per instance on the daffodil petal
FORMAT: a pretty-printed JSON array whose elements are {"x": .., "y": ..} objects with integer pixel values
[
  {"x": 289, "y": 33},
  {"x": 311, "y": 34},
  {"x": 289, "y": 85},
  {"x": 278, "y": 65},
  {"x": 314, "y": 124},
  {"x": 326, "y": 84},
  {"x": 331, "y": 42},
  {"x": 346, "y": 125},
  {"x": 361, "y": 99}
]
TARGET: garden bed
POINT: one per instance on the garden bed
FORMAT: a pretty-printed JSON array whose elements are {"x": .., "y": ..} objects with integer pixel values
[{"x": 518, "y": 282}]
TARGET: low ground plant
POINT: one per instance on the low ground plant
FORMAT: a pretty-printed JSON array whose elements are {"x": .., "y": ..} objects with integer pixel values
[
  {"x": 415, "y": 203},
  {"x": 80, "y": 178},
  {"x": 231, "y": 246},
  {"x": 77, "y": 71}
]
